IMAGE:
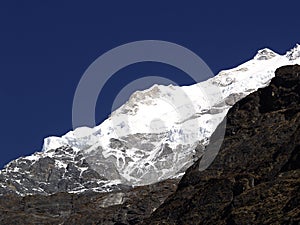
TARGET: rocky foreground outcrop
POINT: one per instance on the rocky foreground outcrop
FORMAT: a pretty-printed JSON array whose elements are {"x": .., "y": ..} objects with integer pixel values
[{"x": 253, "y": 180}]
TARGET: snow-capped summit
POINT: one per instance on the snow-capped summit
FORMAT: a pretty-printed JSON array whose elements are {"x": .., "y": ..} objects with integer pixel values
[
  {"x": 155, "y": 135},
  {"x": 265, "y": 54}
]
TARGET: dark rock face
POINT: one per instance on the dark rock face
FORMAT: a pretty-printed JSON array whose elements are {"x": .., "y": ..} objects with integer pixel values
[
  {"x": 127, "y": 207},
  {"x": 255, "y": 178}
]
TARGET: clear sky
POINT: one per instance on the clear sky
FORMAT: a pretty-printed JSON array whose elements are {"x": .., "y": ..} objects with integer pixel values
[{"x": 45, "y": 47}]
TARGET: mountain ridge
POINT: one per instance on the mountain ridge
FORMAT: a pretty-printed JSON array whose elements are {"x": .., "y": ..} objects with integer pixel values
[{"x": 109, "y": 157}]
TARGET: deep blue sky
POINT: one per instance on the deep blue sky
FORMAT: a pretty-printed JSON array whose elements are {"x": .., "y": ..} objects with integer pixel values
[{"x": 45, "y": 47}]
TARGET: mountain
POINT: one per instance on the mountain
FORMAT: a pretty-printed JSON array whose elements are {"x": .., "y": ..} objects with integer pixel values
[
  {"x": 253, "y": 180},
  {"x": 156, "y": 135}
]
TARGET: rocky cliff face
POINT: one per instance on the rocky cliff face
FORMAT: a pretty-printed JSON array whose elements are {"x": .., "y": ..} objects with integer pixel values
[
  {"x": 119, "y": 207},
  {"x": 255, "y": 179}
]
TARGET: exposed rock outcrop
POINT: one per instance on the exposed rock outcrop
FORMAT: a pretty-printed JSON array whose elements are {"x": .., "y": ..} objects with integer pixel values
[{"x": 122, "y": 207}]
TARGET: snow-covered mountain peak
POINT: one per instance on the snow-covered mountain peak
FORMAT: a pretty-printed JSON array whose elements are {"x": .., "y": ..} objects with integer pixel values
[
  {"x": 265, "y": 54},
  {"x": 155, "y": 135},
  {"x": 294, "y": 53}
]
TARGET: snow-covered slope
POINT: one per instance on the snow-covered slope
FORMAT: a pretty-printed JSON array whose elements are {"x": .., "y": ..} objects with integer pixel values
[{"x": 158, "y": 132}]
